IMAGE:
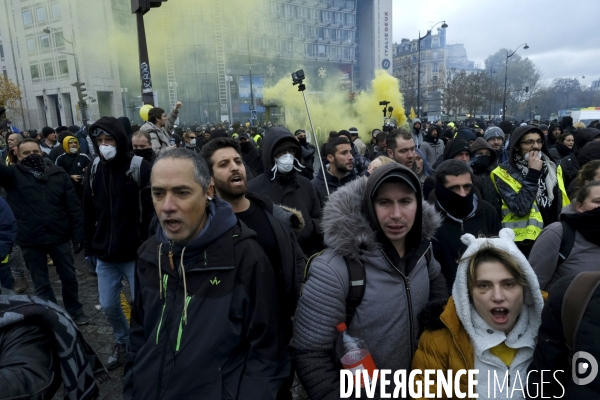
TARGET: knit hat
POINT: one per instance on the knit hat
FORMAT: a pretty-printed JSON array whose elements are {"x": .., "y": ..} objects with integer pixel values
[
  {"x": 543, "y": 127},
  {"x": 73, "y": 129},
  {"x": 61, "y": 129},
  {"x": 47, "y": 131},
  {"x": 455, "y": 146},
  {"x": 466, "y": 134},
  {"x": 285, "y": 143},
  {"x": 493, "y": 132},
  {"x": 506, "y": 127}
]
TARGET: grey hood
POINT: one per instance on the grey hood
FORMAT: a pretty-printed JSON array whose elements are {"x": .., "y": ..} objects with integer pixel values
[{"x": 347, "y": 228}]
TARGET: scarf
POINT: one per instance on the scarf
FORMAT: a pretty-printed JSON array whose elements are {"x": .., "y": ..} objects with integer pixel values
[
  {"x": 79, "y": 364},
  {"x": 546, "y": 183},
  {"x": 454, "y": 205},
  {"x": 563, "y": 150},
  {"x": 587, "y": 223},
  {"x": 34, "y": 164}
]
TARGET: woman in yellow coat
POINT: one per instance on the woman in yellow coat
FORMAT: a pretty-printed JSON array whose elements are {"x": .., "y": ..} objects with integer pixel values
[{"x": 490, "y": 323}]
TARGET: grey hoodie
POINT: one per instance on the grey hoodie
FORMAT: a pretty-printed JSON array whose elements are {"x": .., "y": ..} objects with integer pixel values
[{"x": 386, "y": 319}]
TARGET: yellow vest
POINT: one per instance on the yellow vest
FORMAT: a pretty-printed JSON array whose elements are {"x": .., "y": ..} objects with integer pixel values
[
  {"x": 5, "y": 261},
  {"x": 529, "y": 226},
  {"x": 256, "y": 138}
]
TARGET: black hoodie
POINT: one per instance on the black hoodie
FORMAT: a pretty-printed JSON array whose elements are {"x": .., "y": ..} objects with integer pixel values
[
  {"x": 291, "y": 189},
  {"x": 111, "y": 217}
]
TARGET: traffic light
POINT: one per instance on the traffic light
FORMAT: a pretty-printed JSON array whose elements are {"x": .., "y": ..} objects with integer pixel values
[
  {"x": 143, "y": 6},
  {"x": 80, "y": 90},
  {"x": 526, "y": 89}
]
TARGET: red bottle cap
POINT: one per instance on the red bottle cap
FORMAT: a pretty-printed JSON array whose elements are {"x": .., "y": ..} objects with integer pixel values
[{"x": 341, "y": 327}]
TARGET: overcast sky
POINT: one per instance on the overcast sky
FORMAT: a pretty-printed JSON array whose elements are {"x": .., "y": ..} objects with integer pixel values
[{"x": 563, "y": 36}]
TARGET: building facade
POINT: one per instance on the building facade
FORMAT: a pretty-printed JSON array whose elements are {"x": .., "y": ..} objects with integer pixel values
[{"x": 46, "y": 46}]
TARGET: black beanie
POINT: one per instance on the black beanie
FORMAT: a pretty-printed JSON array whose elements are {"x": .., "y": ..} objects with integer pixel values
[
  {"x": 61, "y": 129},
  {"x": 506, "y": 127},
  {"x": 455, "y": 146},
  {"x": 46, "y": 131},
  {"x": 74, "y": 129}
]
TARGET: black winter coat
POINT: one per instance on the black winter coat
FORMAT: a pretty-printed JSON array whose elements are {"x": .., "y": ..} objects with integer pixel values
[
  {"x": 111, "y": 216},
  {"x": 232, "y": 346},
  {"x": 447, "y": 246},
  {"x": 551, "y": 352},
  {"x": 332, "y": 182},
  {"x": 47, "y": 210},
  {"x": 291, "y": 190}
]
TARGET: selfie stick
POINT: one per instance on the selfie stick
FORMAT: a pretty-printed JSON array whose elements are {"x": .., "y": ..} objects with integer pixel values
[{"x": 298, "y": 77}]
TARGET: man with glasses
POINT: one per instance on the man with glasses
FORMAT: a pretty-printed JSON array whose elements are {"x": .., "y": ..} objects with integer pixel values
[
  {"x": 283, "y": 183},
  {"x": 530, "y": 185},
  {"x": 117, "y": 211}
]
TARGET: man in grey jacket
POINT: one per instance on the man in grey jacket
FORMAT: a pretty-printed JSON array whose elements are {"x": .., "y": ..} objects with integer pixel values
[
  {"x": 159, "y": 126},
  {"x": 382, "y": 223}
]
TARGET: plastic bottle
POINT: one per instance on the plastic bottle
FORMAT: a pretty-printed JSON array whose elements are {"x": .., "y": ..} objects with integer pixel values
[{"x": 353, "y": 354}]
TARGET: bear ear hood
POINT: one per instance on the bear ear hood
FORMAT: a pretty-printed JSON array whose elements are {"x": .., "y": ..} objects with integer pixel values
[{"x": 533, "y": 302}]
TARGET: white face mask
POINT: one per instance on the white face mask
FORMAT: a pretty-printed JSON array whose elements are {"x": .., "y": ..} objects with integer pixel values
[
  {"x": 193, "y": 142},
  {"x": 285, "y": 163},
  {"x": 108, "y": 152},
  {"x": 73, "y": 150}
]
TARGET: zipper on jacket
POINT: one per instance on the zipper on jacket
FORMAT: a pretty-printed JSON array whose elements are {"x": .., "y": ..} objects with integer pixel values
[
  {"x": 410, "y": 310},
  {"x": 171, "y": 263},
  {"x": 180, "y": 332},
  {"x": 508, "y": 373},
  {"x": 164, "y": 283},
  {"x": 462, "y": 227},
  {"x": 111, "y": 208}
]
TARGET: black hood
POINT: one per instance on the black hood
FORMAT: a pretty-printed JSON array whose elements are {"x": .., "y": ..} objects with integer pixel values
[
  {"x": 516, "y": 137},
  {"x": 272, "y": 138},
  {"x": 551, "y": 128},
  {"x": 430, "y": 139},
  {"x": 126, "y": 124},
  {"x": 584, "y": 136},
  {"x": 112, "y": 126},
  {"x": 414, "y": 237}
]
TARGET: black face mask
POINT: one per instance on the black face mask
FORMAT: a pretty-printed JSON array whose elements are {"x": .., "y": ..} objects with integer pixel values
[
  {"x": 456, "y": 205},
  {"x": 480, "y": 163},
  {"x": 245, "y": 146},
  {"x": 146, "y": 154},
  {"x": 35, "y": 163},
  {"x": 302, "y": 141}
]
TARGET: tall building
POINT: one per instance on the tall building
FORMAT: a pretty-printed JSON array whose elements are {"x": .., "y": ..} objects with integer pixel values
[
  {"x": 37, "y": 56},
  {"x": 375, "y": 45},
  {"x": 438, "y": 60}
]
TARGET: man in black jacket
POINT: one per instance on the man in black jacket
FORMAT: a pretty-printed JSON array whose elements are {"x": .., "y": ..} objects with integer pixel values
[
  {"x": 117, "y": 211},
  {"x": 308, "y": 154},
  {"x": 48, "y": 215},
  {"x": 206, "y": 321},
  {"x": 282, "y": 183},
  {"x": 463, "y": 210},
  {"x": 340, "y": 169}
]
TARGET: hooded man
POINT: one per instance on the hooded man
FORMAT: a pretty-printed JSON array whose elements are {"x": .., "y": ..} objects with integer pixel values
[
  {"x": 281, "y": 182},
  {"x": 484, "y": 161},
  {"x": 340, "y": 169},
  {"x": 73, "y": 162},
  {"x": 116, "y": 214},
  {"x": 308, "y": 154},
  {"x": 417, "y": 132},
  {"x": 206, "y": 322},
  {"x": 495, "y": 137},
  {"x": 463, "y": 211},
  {"x": 530, "y": 185},
  {"x": 432, "y": 147},
  {"x": 456, "y": 149},
  {"x": 381, "y": 224},
  {"x": 48, "y": 215}
]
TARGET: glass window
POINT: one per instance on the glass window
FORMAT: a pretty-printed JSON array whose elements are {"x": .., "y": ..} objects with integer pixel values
[
  {"x": 31, "y": 45},
  {"x": 435, "y": 67},
  {"x": 27, "y": 18},
  {"x": 58, "y": 39},
  {"x": 63, "y": 67},
  {"x": 40, "y": 12},
  {"x": 48, "y": 69},
  {"x": 1, "y": 51},
  {"x": 45, "y": 41},
  {"x": 55, "y": 9}
]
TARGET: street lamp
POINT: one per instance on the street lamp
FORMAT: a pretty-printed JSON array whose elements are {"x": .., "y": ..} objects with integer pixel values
[
  {"x": 444, "y": 25},
  {"x": 492, "y": 71},
  {"x": 506, "y": 77}
]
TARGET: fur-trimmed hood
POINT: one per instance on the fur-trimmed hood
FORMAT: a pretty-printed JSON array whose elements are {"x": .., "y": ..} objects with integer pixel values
[{"x": 347, "y": 228}]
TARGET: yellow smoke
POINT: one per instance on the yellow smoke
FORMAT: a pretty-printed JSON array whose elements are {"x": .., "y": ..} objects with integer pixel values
[{"x": 332, "y": 111}]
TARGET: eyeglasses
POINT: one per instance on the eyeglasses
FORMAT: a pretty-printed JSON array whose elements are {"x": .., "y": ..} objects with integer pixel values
[{"x": 532, "y": 142}]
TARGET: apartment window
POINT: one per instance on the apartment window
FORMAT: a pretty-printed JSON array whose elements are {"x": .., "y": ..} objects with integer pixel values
[
  {"x": 63, "y": 67},
  {"x": 289, "y": 10},
  {"x": 323, "y": 50},
  {"x": 436, "y": 42},
  {"x": 48, "y": 69},
  {"x": 435, "y": 67},
  {"x": 5, "y": 74},
  {"x": 40, "y": 12},
  {"x": 339, "y": 18},
  {"x": 313, "y": 14},
  {"x": 45, "y": 41},
  {"x": 31, "y": 45},
  {"x": 1, "y": 51},
  {"x": 435, "y": 55},
  {"x": 55, "y": 10},
  {"x": 289, "y": 28},
  {"x": 350, "y": 19},
  {"x": 27, "y": 18}
]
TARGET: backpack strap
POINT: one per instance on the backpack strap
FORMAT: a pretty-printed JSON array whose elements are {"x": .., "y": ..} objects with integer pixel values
[
  {"x": 566, "y": 242},
  {"x": 134, "y": 173},
  {"x": 308, "y": 262},
  {"x": 575, "y": 303},
  {"x": 356, "y": 290},
  {"x": 93, "y": 173}
]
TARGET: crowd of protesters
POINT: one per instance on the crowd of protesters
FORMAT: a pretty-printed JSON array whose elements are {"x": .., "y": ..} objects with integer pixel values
[{"x": 241, "y": 249}]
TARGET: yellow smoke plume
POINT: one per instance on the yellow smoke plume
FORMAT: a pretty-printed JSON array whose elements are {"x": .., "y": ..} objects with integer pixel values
[{"x": 332, "y": 111}]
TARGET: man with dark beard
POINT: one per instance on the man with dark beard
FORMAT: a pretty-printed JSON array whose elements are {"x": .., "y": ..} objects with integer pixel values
[
  {"x": 271, "y": 223},
  {"x": 340, "y": 169}
]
